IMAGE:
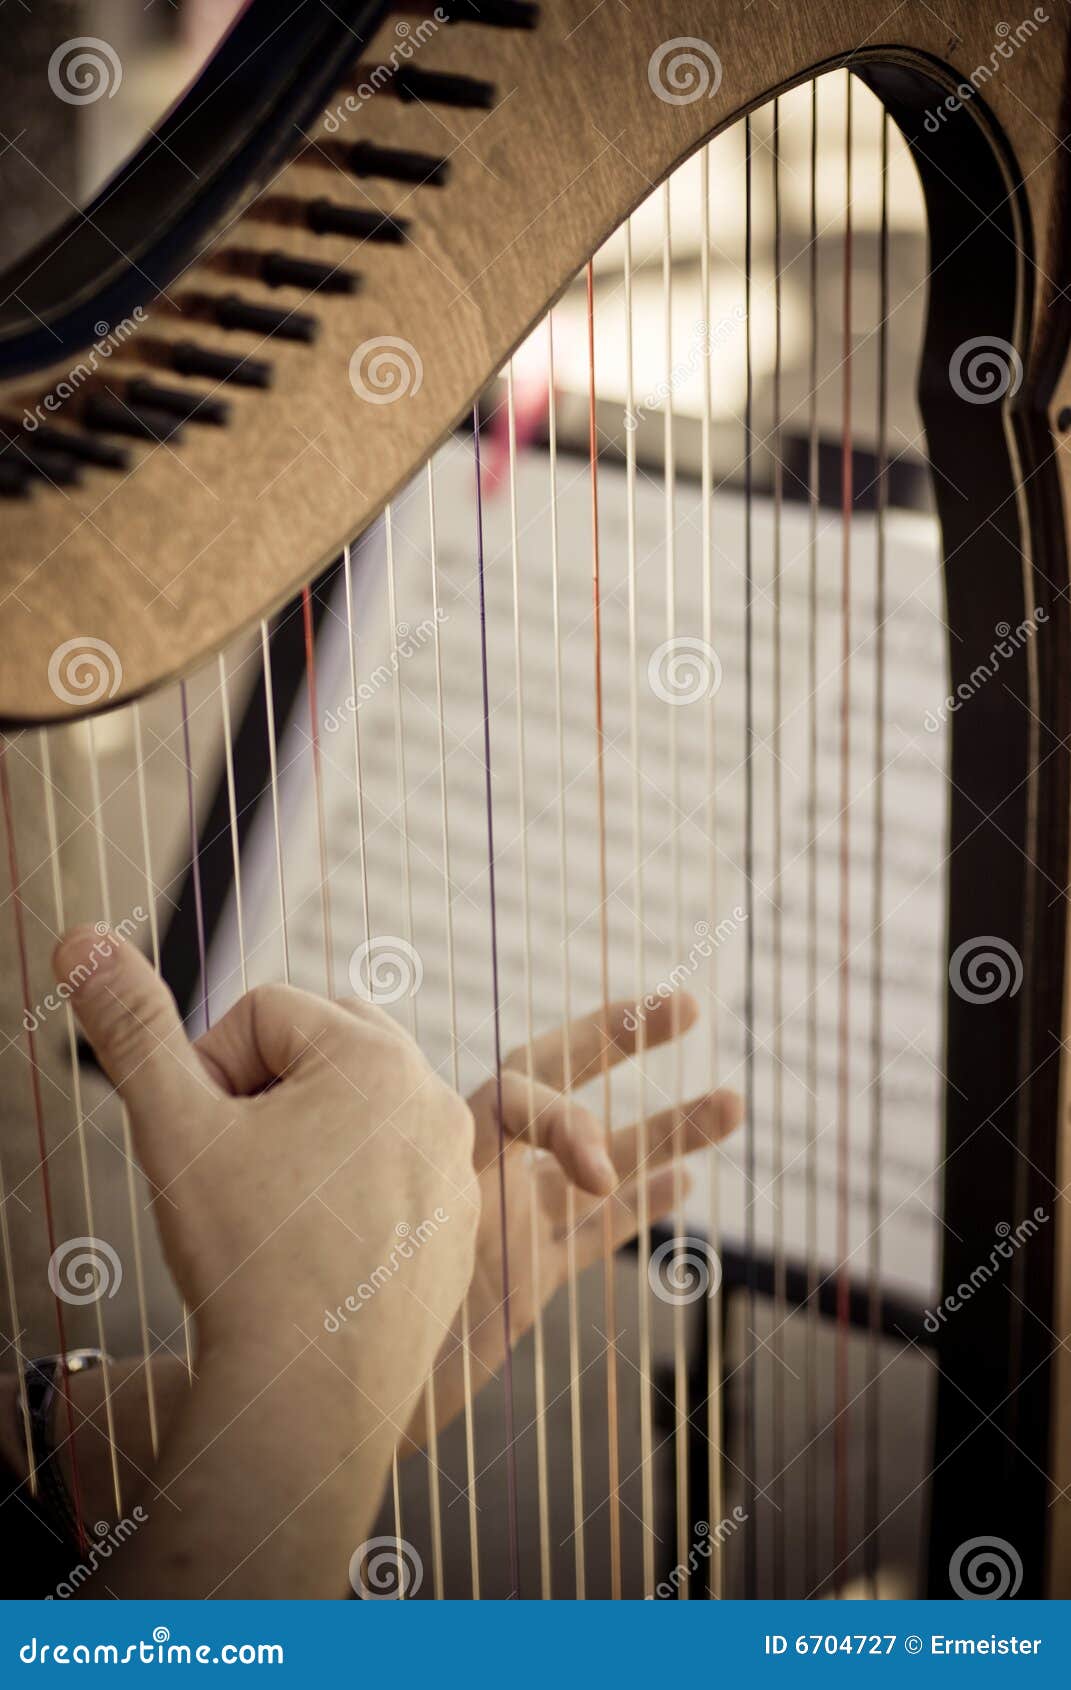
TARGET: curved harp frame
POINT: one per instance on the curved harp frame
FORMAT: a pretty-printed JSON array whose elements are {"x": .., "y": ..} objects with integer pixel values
[{"x": 573, "y": 140}]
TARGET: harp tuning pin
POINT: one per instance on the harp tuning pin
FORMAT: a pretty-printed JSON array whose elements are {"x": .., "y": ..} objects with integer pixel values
[
  {"x": 189, "y": 359},
  {"x": 395, "y": 164},
  {"x": 103, "y": 454},
  {"x": 15, "y": 480},
  {"x": 444, "y": 88},
  {"x": 500, "y": 14},
  {"x": 326, "y": 217},
  {"x": 37, "y": 459},
  {"x": 177, "y": 402},
  {"x": 233, "y": 312},
  {"x": 279, "y": 270},
  {"x": 111, "y": 415}
]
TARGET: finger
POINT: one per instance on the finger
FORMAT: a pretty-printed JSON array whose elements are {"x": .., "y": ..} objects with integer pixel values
[
  {"x": 269, "y": 1034},
  {"x": 363, "y": 1010},
  {"x": 625, "y": 1214},
  {"x": 129, "y": 1017},
  {"x": 692, "y": 1126},
  {"x": 533, "y": 1111},
  {"x": 572, "y": 1055}
]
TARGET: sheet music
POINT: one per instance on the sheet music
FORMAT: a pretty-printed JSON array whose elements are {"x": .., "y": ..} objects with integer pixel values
[{"x": 914, "y": 806}]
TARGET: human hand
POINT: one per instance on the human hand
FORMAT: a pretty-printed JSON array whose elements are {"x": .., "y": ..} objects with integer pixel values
[
  {"x": 538, "y": 1111},
  {"x": 287, "y": 1149}
]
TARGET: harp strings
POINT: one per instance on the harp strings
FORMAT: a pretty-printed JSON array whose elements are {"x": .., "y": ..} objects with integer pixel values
[
  {"x": 232, "y": 819},
  {"x": 811, "y": 1379},
  {"x": 842, "y": 1443},
  {"x": 639, "y": 945},
  {"x": 575, "y": 1389},
  {"x": 195, "y": 853},
  {"x": 873, "y": 1521},
  {"x": 680, "y": 1333},
  {"x": 273, "y": 783},
  {"x": 715, "y": 1477},
  {"x": 543, "y": 1503},
  {"x": 780, "y": 1299},
  {"x": 613, "y": 1455},
  {"x": 58, "y": 901},
  {"x": 749, "y": 1377},
  {"x": 455, "y": 1078},
  {"x": 507, "y": 1370},
  {"x": 19, "y": 919},
  {"x": 130, "y": 1163}
]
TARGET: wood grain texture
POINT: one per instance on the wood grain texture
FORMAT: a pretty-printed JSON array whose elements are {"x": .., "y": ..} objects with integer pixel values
[{"x": 170, "y": 561}]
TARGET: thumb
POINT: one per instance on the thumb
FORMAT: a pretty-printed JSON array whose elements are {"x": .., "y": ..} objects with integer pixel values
[{"x": 129, "y": 1017}]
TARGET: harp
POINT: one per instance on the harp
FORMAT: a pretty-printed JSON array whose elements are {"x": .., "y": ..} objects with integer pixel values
[{"x": 238, "y": 399}]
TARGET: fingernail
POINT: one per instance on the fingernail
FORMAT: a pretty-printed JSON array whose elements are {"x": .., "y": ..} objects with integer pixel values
[
  {"x": 603, "y": 1171},
  {"x": 83, "y": 953}
]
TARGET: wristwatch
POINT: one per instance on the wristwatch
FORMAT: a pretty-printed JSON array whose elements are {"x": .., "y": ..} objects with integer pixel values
[{"x": 42, "y": 1379}]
